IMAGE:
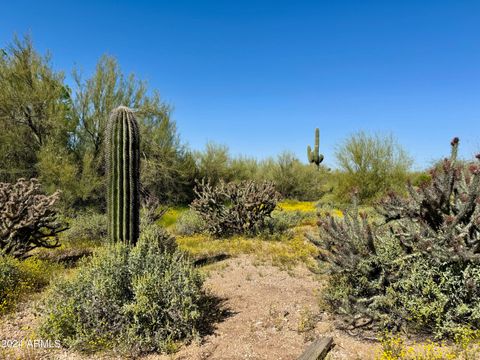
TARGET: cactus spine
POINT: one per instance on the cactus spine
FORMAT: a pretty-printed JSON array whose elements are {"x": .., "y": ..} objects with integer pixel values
[
  {"x": 313, "y": 156},
  {"x": 123, "y": 173}
]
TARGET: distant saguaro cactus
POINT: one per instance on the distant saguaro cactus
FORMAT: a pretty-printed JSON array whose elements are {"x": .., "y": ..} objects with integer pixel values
[
  {"x": 123, "y": 174},
  {"x": 313, "y": 156}
]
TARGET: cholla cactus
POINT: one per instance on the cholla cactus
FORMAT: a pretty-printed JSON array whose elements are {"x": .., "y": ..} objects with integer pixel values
[
  {"x": 441, "y": 217},
  {"x": 349, "y": 245},
  {"x": 27, "y": 218},
  {"x": 348, "y": 240},
  {"x": 235, "y": 208},
  {"x": 427, "y": 257},
  {"x": 123, "y": 175}
]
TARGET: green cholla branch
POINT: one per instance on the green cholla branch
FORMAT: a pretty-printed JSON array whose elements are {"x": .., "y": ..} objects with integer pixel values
[
  {"x": 123, "y": 174},
  {"x": 313, "y": 156}
]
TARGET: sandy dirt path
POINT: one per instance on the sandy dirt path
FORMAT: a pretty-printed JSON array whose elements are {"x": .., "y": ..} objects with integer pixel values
[{"x": 267, "y": 313}]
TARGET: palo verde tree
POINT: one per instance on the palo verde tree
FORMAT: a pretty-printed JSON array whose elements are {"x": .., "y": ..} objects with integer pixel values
[
  {"x": 371, "y": 165},
  {"x": 168, "y": 168},
  {"x": 34, "y": 109}
]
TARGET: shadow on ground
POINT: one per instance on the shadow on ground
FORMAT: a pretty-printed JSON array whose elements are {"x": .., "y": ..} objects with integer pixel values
[{"x": 215, "y": 311}]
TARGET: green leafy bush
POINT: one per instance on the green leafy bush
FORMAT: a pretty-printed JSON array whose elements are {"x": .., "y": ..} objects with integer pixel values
[
  {"x": 442, "y": 299},
  {"x": 136, "y": 300},
  {"x": 281, "y": 221},
  {"x": 19, "y": 277},
  {"x": 189, "y": 223},
  {"x": 420, "y": 269},
  {"x": 10, "y": 278},
  {"x": 153, "y": 234},
  {"x": 87, "y": 226}
]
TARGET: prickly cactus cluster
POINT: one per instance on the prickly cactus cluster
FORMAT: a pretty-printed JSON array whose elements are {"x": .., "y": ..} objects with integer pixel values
[
  {"x": 442, "y": 216},
  {"x": 314, "y": 157},
  {"x": 235, "y": 208},
  {"x": 27, "y": 218},
  {"x": 420, "y": 268},
  {"x": 123, "y": 174}
]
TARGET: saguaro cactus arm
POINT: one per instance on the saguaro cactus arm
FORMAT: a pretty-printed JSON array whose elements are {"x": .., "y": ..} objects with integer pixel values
[{"x": 123, "y": 174}]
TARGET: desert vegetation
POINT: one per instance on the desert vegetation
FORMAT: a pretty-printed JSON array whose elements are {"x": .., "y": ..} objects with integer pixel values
[
  {"x": 415, "y": 268},
  {"x": 119, "y": 234}
]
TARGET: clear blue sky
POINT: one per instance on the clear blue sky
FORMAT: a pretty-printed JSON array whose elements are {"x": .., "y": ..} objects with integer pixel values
[{"x": 259, "y": 76}]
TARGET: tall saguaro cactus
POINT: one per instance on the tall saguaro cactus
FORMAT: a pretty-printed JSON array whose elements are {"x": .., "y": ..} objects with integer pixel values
[
  {"x": 313, "y": 156},
  {"x": 123, "y": 174}
]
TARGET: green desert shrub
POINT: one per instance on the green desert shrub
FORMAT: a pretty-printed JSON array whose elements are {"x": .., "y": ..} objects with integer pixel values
[
  {"x": 281, "y": 221},
  {"x": 153, "y": 234},
  {"x": 418, "y": 270},
  {"x": 20, "y": 277},
  {"x": 372, "y": 165},
  {"x": 189, "y": 223},
  {"x": 133, "y": 299},
  {"x": 442, "y": 299},
  {"x": 293, "y": 179},
  {"x": 10, "y": 279},
  {"x": 87, "y": 226}
]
